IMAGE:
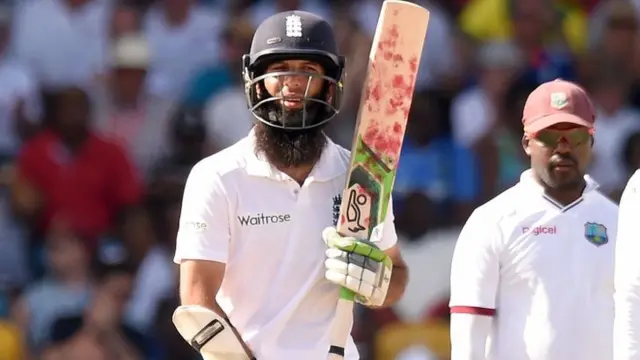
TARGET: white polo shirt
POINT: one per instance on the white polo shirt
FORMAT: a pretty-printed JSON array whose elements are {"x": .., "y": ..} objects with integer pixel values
[
  {"x": 626, "y": 331},
  {"x": 239, "y": 210},
  {"x": 546, "y": 270}
]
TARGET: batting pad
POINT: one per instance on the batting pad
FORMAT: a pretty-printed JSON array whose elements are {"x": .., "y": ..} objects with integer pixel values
[{"x": 209, "y": 333}]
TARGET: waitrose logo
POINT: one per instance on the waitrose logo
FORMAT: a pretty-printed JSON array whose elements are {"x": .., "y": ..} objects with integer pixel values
[{"x": 262, "y": 219}]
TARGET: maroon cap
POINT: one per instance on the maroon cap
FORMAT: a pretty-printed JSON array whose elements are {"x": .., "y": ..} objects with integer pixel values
[{"x": 555, "y": 102}]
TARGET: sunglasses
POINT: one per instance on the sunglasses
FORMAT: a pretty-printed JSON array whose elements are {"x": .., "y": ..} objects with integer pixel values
[{"x": 574, "y": 137}]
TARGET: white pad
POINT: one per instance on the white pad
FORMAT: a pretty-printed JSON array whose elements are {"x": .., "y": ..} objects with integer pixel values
[{"x": 209, "y": 333}]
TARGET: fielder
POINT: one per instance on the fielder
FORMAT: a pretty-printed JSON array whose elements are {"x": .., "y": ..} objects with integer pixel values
[
  {"x": 532, "y": 272},
  {"x": 626, "y": 325},
  {"x": 260, "y": 260}
]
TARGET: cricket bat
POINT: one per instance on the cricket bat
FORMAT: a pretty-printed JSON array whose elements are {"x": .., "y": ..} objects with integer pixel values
[{"x": 381, "y": 123}]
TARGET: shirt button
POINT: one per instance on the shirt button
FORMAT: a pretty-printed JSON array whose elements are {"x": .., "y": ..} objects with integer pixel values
[{"x": 296, "y": 191}]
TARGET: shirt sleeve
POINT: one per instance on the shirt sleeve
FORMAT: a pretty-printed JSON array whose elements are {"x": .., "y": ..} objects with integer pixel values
[
  {"x": 626, "y": 330},
  {"x": 475, "y": 267},
  {"x": 389, "y": 236},
  {"x": 204, "y": 232}
]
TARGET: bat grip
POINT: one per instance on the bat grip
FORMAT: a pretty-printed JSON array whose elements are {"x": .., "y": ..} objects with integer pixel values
[{"x": 341, "y": 327}]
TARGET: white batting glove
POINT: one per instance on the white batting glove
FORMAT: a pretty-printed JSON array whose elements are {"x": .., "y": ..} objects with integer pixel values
[{"x": 357, "y": 265}]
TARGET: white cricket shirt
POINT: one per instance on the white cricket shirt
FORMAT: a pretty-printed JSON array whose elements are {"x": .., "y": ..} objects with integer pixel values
[
  {"x": 626, "y": 331},
  {"x": 544, "y": 269},
  {"x": 239, "y": 210}
]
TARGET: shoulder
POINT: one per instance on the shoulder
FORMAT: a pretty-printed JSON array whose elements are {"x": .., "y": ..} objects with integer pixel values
[
  {"x": 604, "y": 203},
  {"x": 504, "y": 205},
  {"x": 37, "y": 144},
  {"x": 343, "y": 156},
  {"x": 634, "y": 183},
  {"x": 630, "y": 200}
]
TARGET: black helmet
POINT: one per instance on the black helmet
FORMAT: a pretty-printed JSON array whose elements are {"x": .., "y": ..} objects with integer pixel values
[{"x": 294, "y": 35}]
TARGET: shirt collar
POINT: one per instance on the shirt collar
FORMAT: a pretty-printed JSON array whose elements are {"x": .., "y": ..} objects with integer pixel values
[{"x": 328, "y": 167}]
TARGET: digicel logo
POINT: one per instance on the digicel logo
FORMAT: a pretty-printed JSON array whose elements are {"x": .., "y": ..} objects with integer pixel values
[{"x": 540, "y": 230}]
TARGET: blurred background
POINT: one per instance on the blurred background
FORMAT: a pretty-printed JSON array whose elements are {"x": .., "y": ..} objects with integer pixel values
[{"x": 87, "y": 234}]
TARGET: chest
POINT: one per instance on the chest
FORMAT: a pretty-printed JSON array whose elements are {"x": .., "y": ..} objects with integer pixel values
[
  {"x": 282, "y": 220},
  {"x": 568, "y": 251},
  {"x": 86, "y": 172}
]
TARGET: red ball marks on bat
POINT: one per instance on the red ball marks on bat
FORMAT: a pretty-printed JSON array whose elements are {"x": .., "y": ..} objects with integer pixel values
[
  {"x": 384, "y": 143},
  {"x": 413, "y": 64}
]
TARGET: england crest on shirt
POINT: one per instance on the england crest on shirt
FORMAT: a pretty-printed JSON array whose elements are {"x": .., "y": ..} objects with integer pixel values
[
  {"x": 337, "y": 201},
  {"x": 596, "y": 233}
]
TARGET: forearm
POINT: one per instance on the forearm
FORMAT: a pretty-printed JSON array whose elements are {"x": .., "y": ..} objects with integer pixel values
[
  {"x": 397, "y": 286},
  {"x": 469, "y": 336},
  {"x": 199, "y": 284}
]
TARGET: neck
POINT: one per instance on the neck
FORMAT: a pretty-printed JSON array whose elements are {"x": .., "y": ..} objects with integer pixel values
[
  {"x": 73, "y": 141},
  {"x": 299, "y": 174},
  {"x": 566, "y": 195}
]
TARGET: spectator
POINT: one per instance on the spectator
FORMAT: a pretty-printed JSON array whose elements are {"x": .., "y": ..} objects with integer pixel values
[
  {"x": 64, "y": 289},
  {"x": 188, "y": 146},
  {"x": 20, "y": 113},
  {"x": 99, "y": 332},
  {"x": 260, "y": 10},
  {"x": 499, "y": 19},
  {"x": 438, "y": 62},
  {"x": 183, "y": 37},
  {"x": 20, "y": 107},
  {"x": 11, "y": 343},
  {"x": 437, "y": 184},
  {"x": 500, "y": 152},
  {"x": 227, "y": 119},
  {"x": 475, "y": 111},
  {"x": 614, "y": 40},
  {"x": 126, "y": 112},
  {"x": 154, "y": 279},
  {"x": 68, "y": 45},
  {"x": 70, "y": 174},
  {"x": 235, "y": 40},
  {"x": 616, "y": 120},
  {"x": 355, "y": 44},
  {"x": 631, "y": 160}
]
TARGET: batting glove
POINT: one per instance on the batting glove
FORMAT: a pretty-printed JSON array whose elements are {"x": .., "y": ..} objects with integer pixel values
[{"x": 357, "y": 265}]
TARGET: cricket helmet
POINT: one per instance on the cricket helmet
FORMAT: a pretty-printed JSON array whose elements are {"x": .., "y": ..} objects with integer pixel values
[{"x": 294, "y": 35}]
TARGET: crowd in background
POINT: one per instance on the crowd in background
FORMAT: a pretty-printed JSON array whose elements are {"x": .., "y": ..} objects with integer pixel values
[{"x": 106, "y": 105}]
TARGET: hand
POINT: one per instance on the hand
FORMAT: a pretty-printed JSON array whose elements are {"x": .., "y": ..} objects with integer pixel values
[{"x": 357, "y": 265}]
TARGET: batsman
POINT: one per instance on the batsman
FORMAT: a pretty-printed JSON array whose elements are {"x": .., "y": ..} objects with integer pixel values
[{"x": 261, "y": 262}]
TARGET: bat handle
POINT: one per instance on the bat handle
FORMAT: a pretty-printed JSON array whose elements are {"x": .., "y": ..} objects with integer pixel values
[{"x": 341, "y": 326}]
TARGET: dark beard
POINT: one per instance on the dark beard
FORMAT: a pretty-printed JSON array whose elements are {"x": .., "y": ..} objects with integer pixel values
[{"x": 286, "y": 149}]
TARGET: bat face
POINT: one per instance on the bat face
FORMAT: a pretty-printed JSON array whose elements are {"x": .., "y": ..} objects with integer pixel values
[{"x": 382, "y": 117}]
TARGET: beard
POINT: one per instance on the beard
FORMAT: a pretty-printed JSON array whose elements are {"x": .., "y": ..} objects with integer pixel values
[{"x": 289, "y": 148}]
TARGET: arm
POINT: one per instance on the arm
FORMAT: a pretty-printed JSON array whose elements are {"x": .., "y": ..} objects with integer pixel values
[
  {"x": 626, "y": 324},
  {"x": 368, "y": 268},
  {"x": 400, "y": 272},
  {"x": 200, "y": 281},
  {"x": 474, "y": 283},
  {"x": 202, "y": 248},
  {"x": 203, "y": 239},
  {"x": 399, "y": 277},
  {"x": 26, "y": 199}
]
